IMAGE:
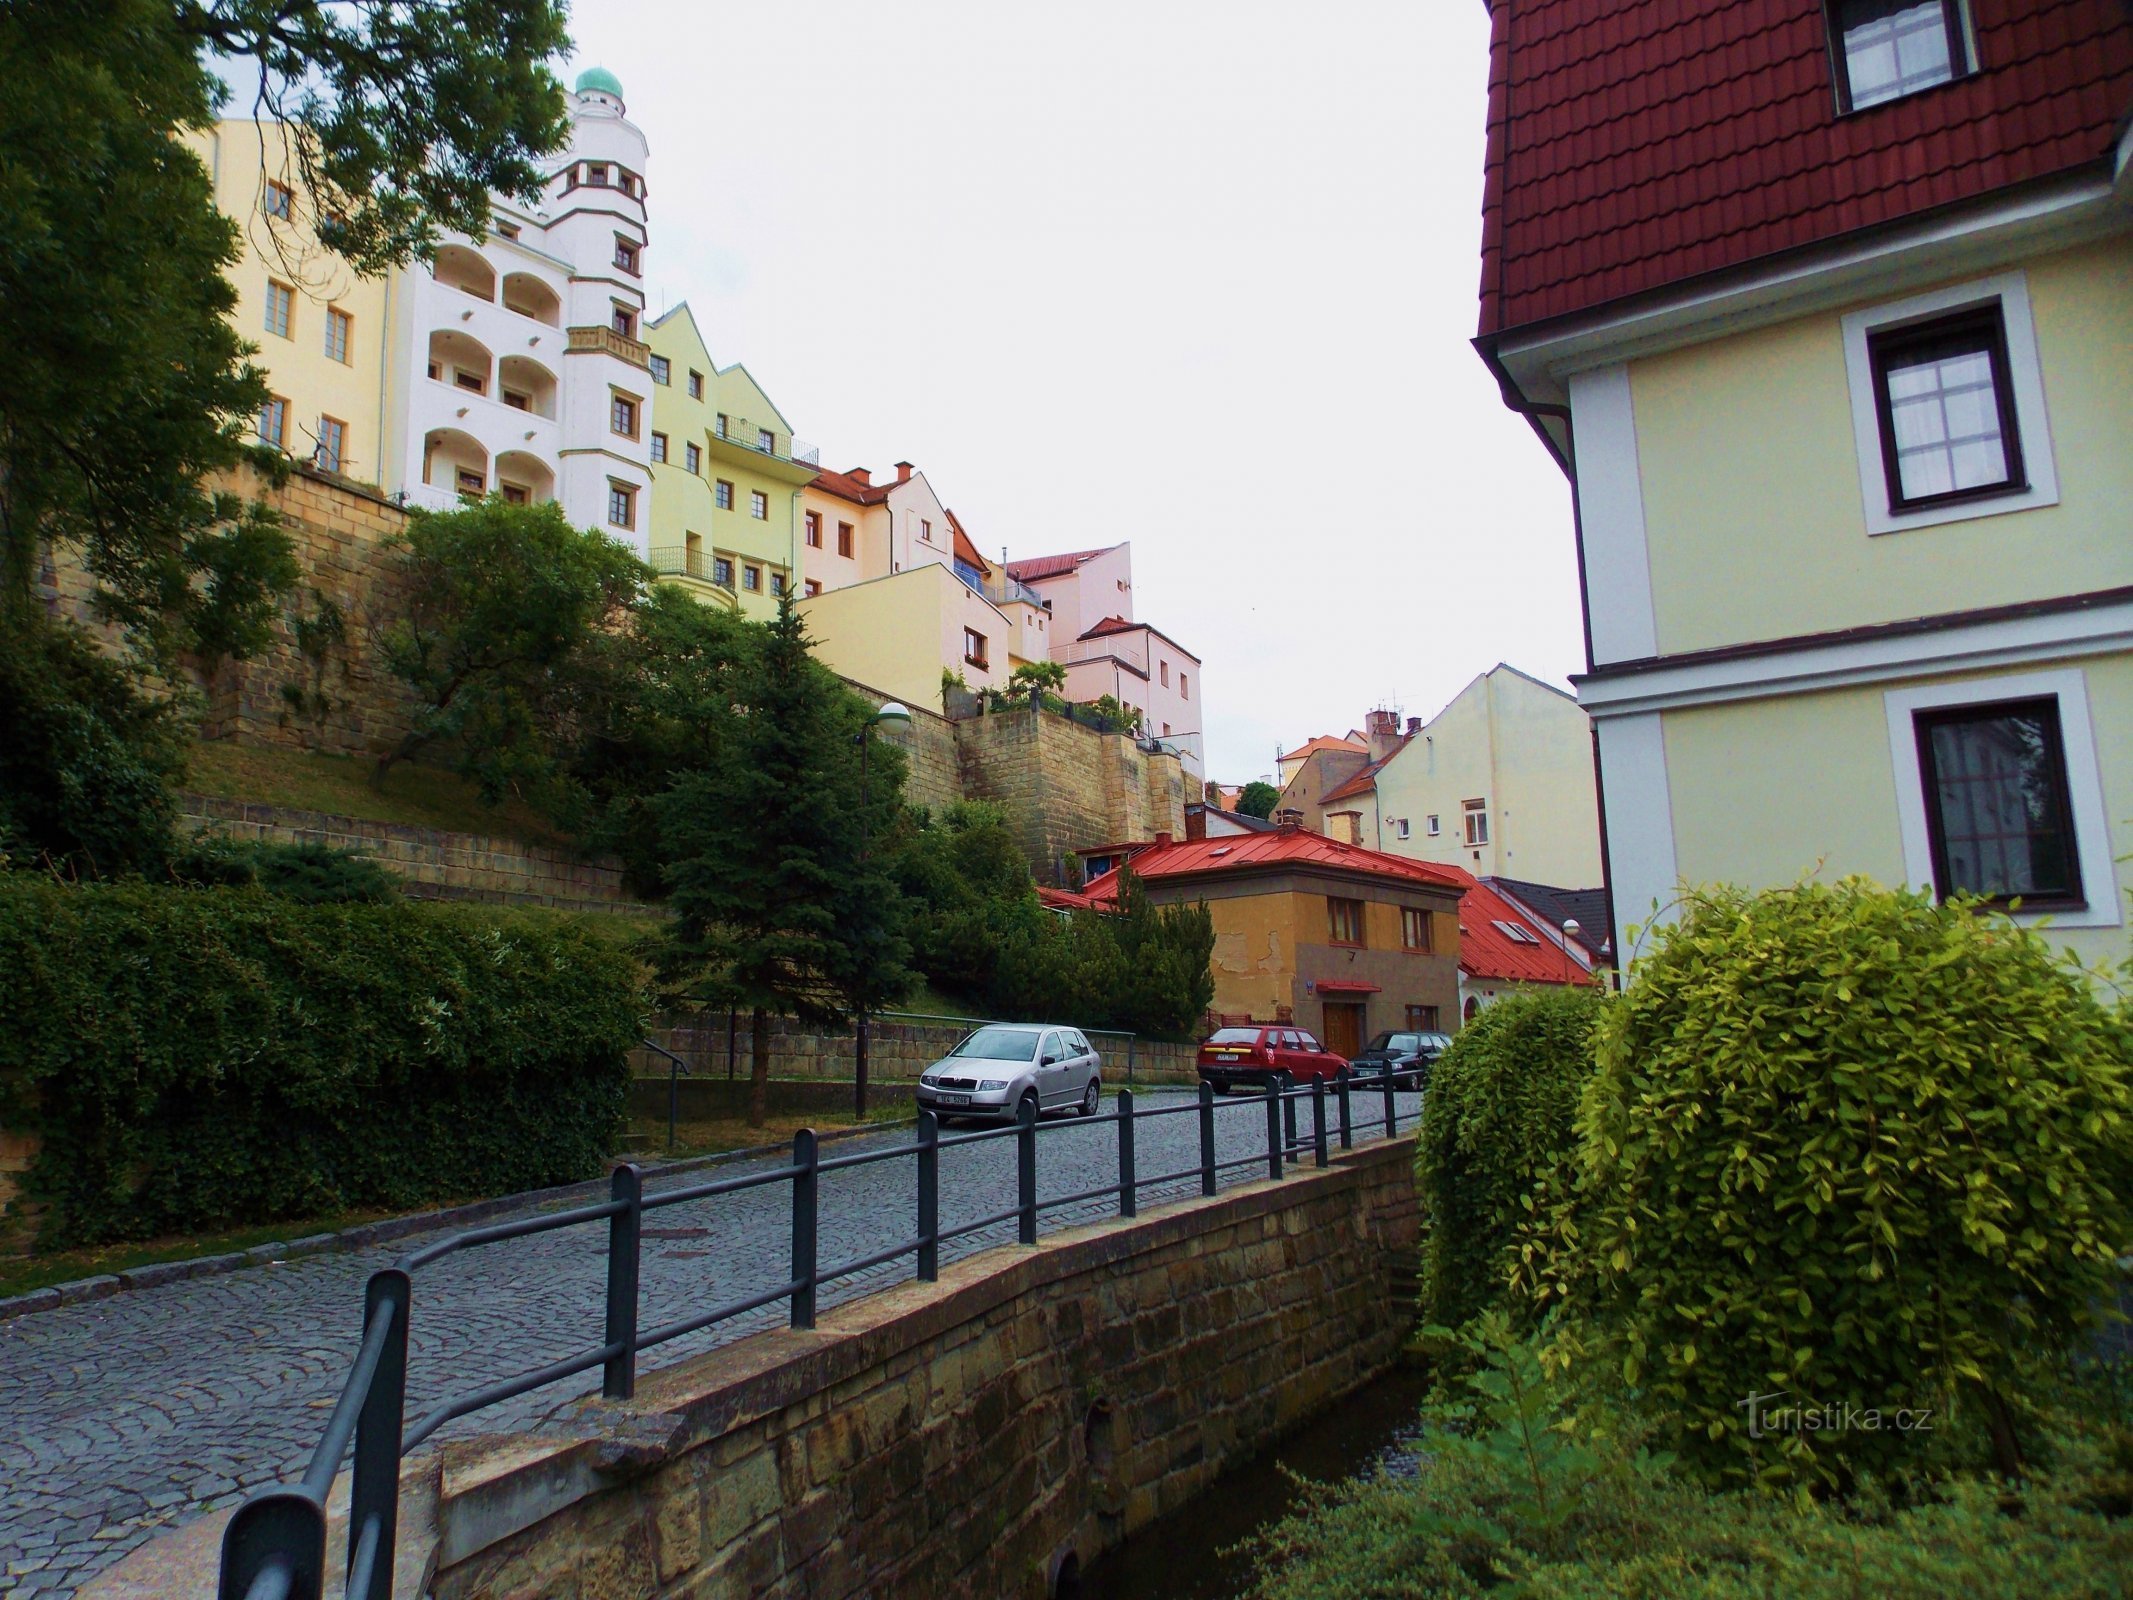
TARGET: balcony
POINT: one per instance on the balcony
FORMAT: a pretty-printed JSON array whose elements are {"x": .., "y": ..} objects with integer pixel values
[
  {"x": 608, "y": 342},
  {"x": 677, "y": 561},
  {"x": 742, "y": 434}
]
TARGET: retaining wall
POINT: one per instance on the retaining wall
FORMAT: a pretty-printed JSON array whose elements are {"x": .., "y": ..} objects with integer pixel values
[
  {"x": 897, "y": 1052},
  {"x": 962, "y": 1438}
]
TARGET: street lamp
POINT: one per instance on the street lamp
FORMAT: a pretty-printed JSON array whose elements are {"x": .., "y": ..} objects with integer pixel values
[
  {"x": 894, "y": 715},
  {"x": 1570, "y": 931}
]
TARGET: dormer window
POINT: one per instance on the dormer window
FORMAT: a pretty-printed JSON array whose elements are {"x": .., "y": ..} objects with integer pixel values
[{"x": 1886, "y": 49}]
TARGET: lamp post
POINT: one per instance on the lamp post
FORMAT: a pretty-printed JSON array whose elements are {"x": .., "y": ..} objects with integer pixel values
[
  {"x": 1570, "y": 932},
  {"x": 894, "y": 714}
]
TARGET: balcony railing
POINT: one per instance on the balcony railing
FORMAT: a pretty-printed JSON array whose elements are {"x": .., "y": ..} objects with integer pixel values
[
  {"x": 620, "y": 345},
  {"x": 676, "y": 562},
  {"x": 748, "y": 436}
]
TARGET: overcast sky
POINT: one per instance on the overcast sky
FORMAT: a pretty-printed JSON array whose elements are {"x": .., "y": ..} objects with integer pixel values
[{"x": 1195, "y": 273}]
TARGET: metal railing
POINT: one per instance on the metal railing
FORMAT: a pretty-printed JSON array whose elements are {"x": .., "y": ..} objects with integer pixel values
[
  {"x": 676, "y": 561},
  {"x": 275, "y": 1545}
]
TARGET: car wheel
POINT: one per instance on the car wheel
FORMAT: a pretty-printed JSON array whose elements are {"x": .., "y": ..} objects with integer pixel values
[{"x": 1090, "y": 1096}]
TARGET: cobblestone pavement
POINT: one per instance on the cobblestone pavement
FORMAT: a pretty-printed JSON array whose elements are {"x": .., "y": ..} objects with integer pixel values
[{"x": 120, "y": 1417}]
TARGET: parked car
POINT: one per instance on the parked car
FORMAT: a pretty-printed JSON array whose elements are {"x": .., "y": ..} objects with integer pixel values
[
  {"x": 1000, "y": 1065},
  {"x": 1244, "y": 1058},
  {"x": 1410, "y": 1055}
]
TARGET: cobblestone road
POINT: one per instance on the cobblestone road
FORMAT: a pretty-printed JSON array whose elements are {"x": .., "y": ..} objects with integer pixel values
[{"x": 120, "y": 1417}]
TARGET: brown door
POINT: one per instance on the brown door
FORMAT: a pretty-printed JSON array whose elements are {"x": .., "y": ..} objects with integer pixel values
[{"x": 1344, "y": 1028}]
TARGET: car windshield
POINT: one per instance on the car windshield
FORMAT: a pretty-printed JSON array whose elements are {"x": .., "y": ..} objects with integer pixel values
[
  {"x": 999, "y": 1044},
  {"x": 1234, "y": 1036},
  {"x": 1396, "y": 1043}
]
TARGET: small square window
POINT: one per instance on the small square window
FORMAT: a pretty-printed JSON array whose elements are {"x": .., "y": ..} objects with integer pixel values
[
  {"x": 471, "y": 484},
  {"x": 1400, "y": 829},
  {"x": 472, "y": 382},
  {"x": 508, "y": 230},
  {"x": 280, "y": 201},
  {"x": 1886, "y": 49},
  {"x": 1944, "y": 398},
  {"x": 596, "y": 175},
  {"x": 766, "y": 441},
  {"x": 621, "y": 505},
  {"x": 332, "y": 452},
  {"x": 813, "y": 588},
  {"x": 974, "y": 651},
  {"x": 338, "y": 324},
  {"x": 1999, "y": 817},
  {"x": 659, "y": 446},
  {"x": 777, "y": 583},
  {"x": 662, "y": 370},
  {"x": 274, "y": 422},
  {"x": 1432, "y": 826},
  {"x": 692, "y": 457},
  {"x": 722, "y": 494},
  {"x": 281, "y": 307},
  {"x": 624, "y": 321},
  {"x": 751, "y": 578},
  {"x": 722, "y": 571},
  {"x": 759, "y": 505},
  {"x": 622, "y": 416},
  {"x": 626, "y": 253}
]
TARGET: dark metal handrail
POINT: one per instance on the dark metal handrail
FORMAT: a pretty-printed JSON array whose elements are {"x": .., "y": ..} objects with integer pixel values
[{"x": 275, "y": 1545}]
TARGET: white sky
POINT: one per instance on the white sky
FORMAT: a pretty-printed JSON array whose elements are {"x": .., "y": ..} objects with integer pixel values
[{"x": 1198, "y": 275}]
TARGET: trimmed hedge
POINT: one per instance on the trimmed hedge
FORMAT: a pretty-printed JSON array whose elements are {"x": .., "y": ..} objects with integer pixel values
[
  {"x": 1498, "y": 1129},
  {"x": 196, "y": 1059}
]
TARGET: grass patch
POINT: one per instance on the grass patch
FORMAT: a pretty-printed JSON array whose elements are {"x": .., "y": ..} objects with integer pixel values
[
  {"x": 20, "y": 1274},
  {"x": 416, "y": 796},
  {"x": 714, "y": 1136}
]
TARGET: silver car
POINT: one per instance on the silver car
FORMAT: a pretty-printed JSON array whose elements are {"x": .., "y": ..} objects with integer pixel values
[{"x": 1001, "y": 1065}]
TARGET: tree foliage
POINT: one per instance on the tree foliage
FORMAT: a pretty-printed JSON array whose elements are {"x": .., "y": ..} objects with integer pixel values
[
  {"x": 1848, "y": 1145},
  {"x": 497, "y": 613},
  {"x": 1258, "y": 799}
]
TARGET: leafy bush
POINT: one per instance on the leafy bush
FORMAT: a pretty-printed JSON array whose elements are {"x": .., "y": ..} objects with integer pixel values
[
  {"x": 197, "y": 1059},
  {"x": 1846, "y": 1145},
  {"x": 314, "y": 874},
  {"x": 87, "y": 760},
  {"x": 1523, "y": 1495},
  {"x": 1497, "y": 1125}
]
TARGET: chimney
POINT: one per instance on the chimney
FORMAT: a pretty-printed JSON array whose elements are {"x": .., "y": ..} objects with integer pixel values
[
  {"x": 1288, "y": 819},
  {"x": 1165, "y": 839},
  {"x": 1382, "y": 729},
  {"x": 903, "y": 472},
  {"x": 1414, "y": 726},
  {"x": 1195, "y": 819},
  {"x": 862, "y": 475}
]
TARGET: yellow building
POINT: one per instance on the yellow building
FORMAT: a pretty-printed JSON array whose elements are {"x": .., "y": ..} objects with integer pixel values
[
  {"x": 900, "y": 632},
  {"x": 725, "y": 483},
  {"x": 1853, "y": 512},
  {"x": 324, "y": 334}
]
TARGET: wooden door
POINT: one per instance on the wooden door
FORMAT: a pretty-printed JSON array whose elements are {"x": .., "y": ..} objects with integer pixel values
[{"x": 1344, "y": 1028}]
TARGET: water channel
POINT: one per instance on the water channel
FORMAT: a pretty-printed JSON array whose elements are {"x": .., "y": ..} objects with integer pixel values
[{"x": 1182, "y": 1556}]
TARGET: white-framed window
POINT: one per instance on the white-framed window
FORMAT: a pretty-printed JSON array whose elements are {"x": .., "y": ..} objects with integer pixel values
[
  {"x": 1433, "y": 826},
  {"x": 332, "y": 452},
  {"x": 1992, "y": 774},
  {"x": 1476, "y": 816},
  {"x": 759, "y": 505},
  {"x": 1400, "y": 828},
  {"x": 281, "y": 307},
  {"x": 1886, "y": 49},
  {"x": 1948, "y": 416},
  {"x": 1513, "y": 931},
  {"x": 338, "y": 324}
]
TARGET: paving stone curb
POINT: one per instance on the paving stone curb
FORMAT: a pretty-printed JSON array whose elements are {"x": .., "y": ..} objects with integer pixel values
[{"x": 365, "y": 1235}]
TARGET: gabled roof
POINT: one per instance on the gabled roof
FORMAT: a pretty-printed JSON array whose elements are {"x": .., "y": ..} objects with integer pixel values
[
  {"x": 846, "y": 487},
  {"x": 1497, "y": 940},
  {"x": 1067, "y": 900},
  {"x": 1038, "y": 568},
  {"x": 1633, "y": 144},
  {"x": 1588, "y": 907},
  {"x": 1326, "y": 741},
  {"x": 965, "y": 549},
  {"x": 1111, "y": 625},
  {"x": 1285, "y": 847},
  {"x": 1366, "y": 780}
]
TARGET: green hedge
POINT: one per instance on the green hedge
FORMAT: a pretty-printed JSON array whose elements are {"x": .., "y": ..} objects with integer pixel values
[
  {"x": 198, "y": 1059},
  {"x": 1498, "y": 1126}
]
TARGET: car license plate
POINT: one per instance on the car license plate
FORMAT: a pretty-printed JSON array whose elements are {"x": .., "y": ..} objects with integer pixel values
[{"x": 953, "y": 1099}]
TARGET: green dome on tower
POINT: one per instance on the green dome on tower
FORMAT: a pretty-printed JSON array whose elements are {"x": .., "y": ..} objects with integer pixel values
[{"x": 598, "y": 80}]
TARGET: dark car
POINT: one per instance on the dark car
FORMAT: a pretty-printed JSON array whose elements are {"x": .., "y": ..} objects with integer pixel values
[
  {"x": 1246, "y": 1057},
  {"x": 1408, "y": 1054}
]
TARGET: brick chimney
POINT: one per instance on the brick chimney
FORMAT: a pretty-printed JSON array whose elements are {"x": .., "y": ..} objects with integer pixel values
[
  {"x": 864, "y": 475},
  {"x": 1414, "y": 726},
  {"x": 1288, "y": 819},
  {"x": 1165, "y": 839},
  {"x": 1195, "y": 819},
  {"x": 903, "y": 472},
  {"x": 1382, "y": 729}
]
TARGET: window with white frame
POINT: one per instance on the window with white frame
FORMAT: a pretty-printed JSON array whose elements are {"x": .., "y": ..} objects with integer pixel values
[
  {"x": 1948, "y": 414},
  {"x": 1886, "y": 49},
  {"x": 1477, "y": 821},
  {"x": 1999, "y": 794},
  {"x": 759, "y": 505},
  {"x": 1432, "y": 826},
  {"x": 1399, "y": 827}
]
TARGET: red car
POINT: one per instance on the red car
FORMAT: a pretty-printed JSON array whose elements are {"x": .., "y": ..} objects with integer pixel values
[{"x": 1244, "y": 1058}]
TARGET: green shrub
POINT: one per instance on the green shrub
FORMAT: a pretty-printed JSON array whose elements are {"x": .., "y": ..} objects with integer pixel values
[
  {"x": 314, "y": 874},
  {"x": 199, "y": 1059},
  {"x": 1845, "y": 1145},
  {"x": 1497, "y": 1123}
]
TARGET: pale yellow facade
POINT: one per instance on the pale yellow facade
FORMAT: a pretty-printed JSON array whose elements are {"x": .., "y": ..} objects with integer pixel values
[
  {"x": 289, "y": 290},
  {"x": 898, "y": 634},
  {"x": 1499, "y": 782},
  {"x": 1754, "y": 522}
]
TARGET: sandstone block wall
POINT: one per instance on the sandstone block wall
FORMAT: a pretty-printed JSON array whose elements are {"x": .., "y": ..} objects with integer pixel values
[
  {"x": 1066, "y": 786},
  {"x": 965, "y": 1438},
  {"x": 897, "y": 1051}
]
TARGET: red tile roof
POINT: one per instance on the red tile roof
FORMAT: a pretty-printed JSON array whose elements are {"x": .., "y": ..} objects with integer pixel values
[
  {"x": 1037, "y": 568},
  {"x": 1110, "y": 625},
  {"x": 1366, "y": 780},
  {"x": 1486, "y": 951},
  {"x": 1286, "y": 847},
  {"x": 1068, "y": 900},
  {"x": 1636, "y": 143},
  {"x": 846, "y": 487},
  {"x": 1325, "y": 741},
  {"x": 964, "y": 549}
]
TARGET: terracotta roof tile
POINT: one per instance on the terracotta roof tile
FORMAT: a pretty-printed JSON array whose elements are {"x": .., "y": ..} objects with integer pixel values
[
  {"x": 1039, "y": 567},
  {"x": 1324, "y": 741},
  {"x": 1630, "y": 148},
  {"x": 1487, "y": 950},
  {"x": 1285, "y": 847},
  {"x": 846, "y": 487}
]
